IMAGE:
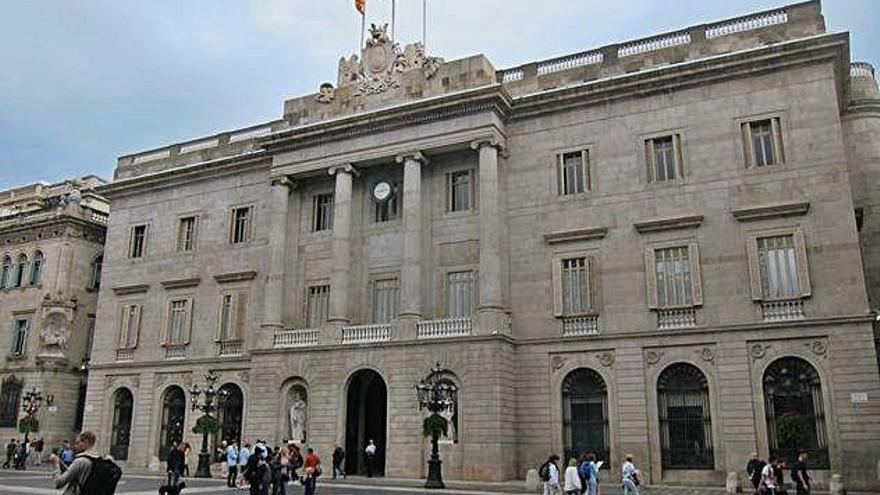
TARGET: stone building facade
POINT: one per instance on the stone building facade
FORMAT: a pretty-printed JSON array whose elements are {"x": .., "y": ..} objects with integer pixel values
[
  {"x": 51, "y": 248},
  {"x": 647, "y": 248}
]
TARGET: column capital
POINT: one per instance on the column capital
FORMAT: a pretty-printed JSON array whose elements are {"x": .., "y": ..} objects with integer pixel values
[
  {"x": 282, "y": 180},
  {"x": 417, "y": 156},
  {"x": 346, "y": 169},
  {"x": 492, "y": 141}
]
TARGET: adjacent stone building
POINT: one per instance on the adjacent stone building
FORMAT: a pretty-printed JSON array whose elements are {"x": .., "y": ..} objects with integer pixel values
[
  {"x": 51, "y": 249},
  {"x": 651, "y": 248}
]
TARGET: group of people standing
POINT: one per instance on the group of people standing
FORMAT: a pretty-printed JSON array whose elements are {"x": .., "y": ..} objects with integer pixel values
[
  {"x": 581, "y": 477},
  {"x": 20, "y": 453},
  {"x": 768, "y": 477}
]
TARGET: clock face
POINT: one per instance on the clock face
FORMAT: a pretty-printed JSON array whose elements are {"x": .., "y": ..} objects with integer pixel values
[{"x": 381, "y": 191}]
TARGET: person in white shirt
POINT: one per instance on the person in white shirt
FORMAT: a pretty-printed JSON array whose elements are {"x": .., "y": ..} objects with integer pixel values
[
  {"x": 768, "y": 477},
  {"x": 572, "y": 480},
  {"x": 551, "y": 485},
  {"x": 630, "y": 477},
  {"x": 370, "y": 453}
]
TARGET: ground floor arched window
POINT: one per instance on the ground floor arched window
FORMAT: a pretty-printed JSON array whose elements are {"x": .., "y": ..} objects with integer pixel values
[
  {"x": 10, "y": 398},
  {"x": 229, "y": 413},
  {"x": 794, "y": 410},
  {"x": 685, "y": 418},
  {"x": 120, "y": 435},
  {"x": 173, "y": 420},
  {"x": 585, "y": 414}
]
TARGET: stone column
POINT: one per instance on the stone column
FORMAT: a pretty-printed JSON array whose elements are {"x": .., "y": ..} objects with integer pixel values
[
  {"x": 273, "y": 299},
  {"x": 339, "y": 274},
  {"x": 490, "y": 307},
  {"x": 411, "y": 269}
]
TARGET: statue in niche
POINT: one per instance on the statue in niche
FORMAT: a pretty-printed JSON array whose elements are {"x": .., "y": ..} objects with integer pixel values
[
  {"x": 450, "y": 414},
  {"x": 297, "y": 414},
  {"x": 54, "y": 334}
]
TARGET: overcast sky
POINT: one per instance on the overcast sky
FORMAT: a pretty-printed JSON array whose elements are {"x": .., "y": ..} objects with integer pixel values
[{"x": 84, "y": 81}]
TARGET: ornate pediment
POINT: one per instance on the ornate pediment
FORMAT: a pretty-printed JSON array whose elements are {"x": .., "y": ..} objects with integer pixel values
[{"x": 380, "y": 66}]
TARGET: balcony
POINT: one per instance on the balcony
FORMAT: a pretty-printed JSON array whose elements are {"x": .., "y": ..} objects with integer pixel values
[
  {"x": 668, "y": 319},
  {"x": 579, "y": 326},
  {"x": 175, "y": 351},
  {"x": 230, "y": 348},
  {"x": 444, "y": 328},
  {"x": 787, "y": 310},
  {"x": 366, "y": 334},
  {"x": 290, "y": 338},
  {"x": 124, "y": 355}
]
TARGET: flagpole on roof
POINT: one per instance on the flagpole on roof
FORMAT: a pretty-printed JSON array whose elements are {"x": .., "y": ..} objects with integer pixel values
[
  {"x": 393, "y": 16},
  {"x": 425, "y": 25},
  {"x": 363, "y": 27}
]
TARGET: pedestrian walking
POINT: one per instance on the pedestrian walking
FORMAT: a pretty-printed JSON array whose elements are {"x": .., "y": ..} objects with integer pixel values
[
  {"x": 21, "y": 452},
  {"x": 370, "y": 458},
  {"x": 187, "y": 459},
  {"x": 257, "y": 472},
  {"x": 630, "y": 477},
  {"x": 174, "y": 467},
  {"x": 338, "y": 458},
  {"x": 89, "y": 473},
  {"x": 244, "y": 454},
  {"x": 583, "y": 472},
  {"x": 593, "y": 475},
  {"x": 10, "y": 452},
  {"x": 768, "y": 483},
  {"x": 38, "y": 448},
  {"x": 799, "y": 474},
  {"x": 572, "y": 480},
  {"x": 549, "y": 473},
  {"x": 753, "y": 470},
  {"x": 312, "y": 470},
  {"x": 231, "y": 464}
]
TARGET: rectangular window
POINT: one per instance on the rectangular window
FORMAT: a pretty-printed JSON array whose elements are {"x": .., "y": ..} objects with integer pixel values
[
  {"x": 762, "y": 142},
  {"x": 673, "y": 275},
  {"x": 233, "y": 312},
  {"x": 459, "y": 294},
  {"x": 387, "y": 211},
  {"x": 777, "y": 260},
  {"x": 318, "y": 305},
  {"x": 573, "y": 172},
  {"x": 242, "y": 225},
  {"x": 386, "y": 294},
  {"x": 178, "y": 321},
  {"x": 663, "y": 156},
  {"x": 138, "y": 242},
  {"x": 186, "y": 234},
  {"x": 129, "y": 326},
  {"x": 10, "y": 399},
  {"x": 322, "y": 212},
  {"x": 460, "y": 189},
  {"x": 90, "y": 341},
  {"x": 19, "y": 337},
  {"x": 575, "y": 287}
]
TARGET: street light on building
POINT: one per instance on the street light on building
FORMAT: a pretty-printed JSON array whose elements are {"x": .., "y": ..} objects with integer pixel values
[
  {"x": 436, "y": 395},
  {"x": 207, "y": 423}
]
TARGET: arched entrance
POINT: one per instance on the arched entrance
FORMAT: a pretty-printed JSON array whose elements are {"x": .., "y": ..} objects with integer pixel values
[
  {"x": 367, "y": 406},
  {"x": 120, "y": 436},
  {"x": 229, "y": 414},
  {"x": 585, "y": 414},
  {"x": 173, "y": 420}
]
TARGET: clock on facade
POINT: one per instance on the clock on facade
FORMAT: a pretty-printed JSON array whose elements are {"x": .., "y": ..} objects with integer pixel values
[{"x": 382, "y": 190}]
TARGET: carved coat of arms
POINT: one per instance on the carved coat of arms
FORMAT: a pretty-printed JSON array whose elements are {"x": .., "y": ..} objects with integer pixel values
[{"x": 381, "y": 63}]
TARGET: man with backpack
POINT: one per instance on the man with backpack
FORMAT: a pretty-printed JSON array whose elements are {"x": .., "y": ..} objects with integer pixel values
[
  {"x": 89, "y": 473},
  {"x": 549, "y": 474}
]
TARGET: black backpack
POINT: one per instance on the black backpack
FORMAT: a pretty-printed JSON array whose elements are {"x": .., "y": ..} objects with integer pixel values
[
  {"x": 103, "y": 477},
  {"x": 544, "y": 472}
]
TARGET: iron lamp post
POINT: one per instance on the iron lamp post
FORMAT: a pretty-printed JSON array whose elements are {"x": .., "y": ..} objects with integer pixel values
[
  {"x": 207, "y": 406},
  {"x": 435, "y": 396}
]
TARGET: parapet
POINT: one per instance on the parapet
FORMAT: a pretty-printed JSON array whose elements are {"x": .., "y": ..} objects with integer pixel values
[{"x": 862, "y": 83}]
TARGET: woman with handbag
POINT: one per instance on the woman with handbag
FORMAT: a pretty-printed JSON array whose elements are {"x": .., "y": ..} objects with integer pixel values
[{"x": 630, "y": 477}]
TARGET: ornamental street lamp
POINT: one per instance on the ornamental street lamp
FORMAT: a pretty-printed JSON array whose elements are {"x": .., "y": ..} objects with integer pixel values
[
  {"x": 206, "y": 423},
  {"x": 32, "y": 399},
  {"x": 436, "y": 395}
]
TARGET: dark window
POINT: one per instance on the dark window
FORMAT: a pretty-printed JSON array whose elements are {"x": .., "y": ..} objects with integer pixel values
[
  {"x": 241, "y": 225},
  {"x": 6, "y": 272},
  {"x": 80, "y": 408},
  {"x": 20, "y": 269},
  {"x": 795, "y": 413},
  {"x": 97, "y": 266},
  {"x": 229, "y": 414},
  {"x": 460, "y": 190},
  {"x": 19, "y": 337},
  {"x": 37, "y": 268},
  {"x": 585, "y": 414},
  {"x": 10, "y": 397},
  {"x": 322, "y": 212},
  {"x": 387, "y": 210},
  {"x": 173, "y": 420},
  {"x": 138, "y": 241},
  {"x": 685, "y": 420},
  {"x": 123, "y": 407}
]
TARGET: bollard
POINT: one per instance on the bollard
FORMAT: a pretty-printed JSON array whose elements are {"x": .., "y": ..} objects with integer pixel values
[
  {"x": 733, "y": 484},
  {"x": 835, "y": 486},
  {"x": 533, "y": 482}
]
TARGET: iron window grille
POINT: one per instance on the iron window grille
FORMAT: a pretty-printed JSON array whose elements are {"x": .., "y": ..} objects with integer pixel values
[{"x": 685, "y": 419}]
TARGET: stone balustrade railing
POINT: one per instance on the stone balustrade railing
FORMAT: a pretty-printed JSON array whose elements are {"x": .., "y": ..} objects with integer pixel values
[
  {"x": 747, "y": 23},
  {"x": 656, "y": 43},
  {"x": 512, "y": 75},
  {"x": 99, "y": 217},
  {"x": 444, "y": 328},
  {"x": 788, "y": 310},
  {"x": 578, "y": 326},
  {"x": 124, "y": 354},
  {"x": 861, "y": 69},
  {"x": 230, "y": 348},
  {"x": 668, "y": 319},
  {"x": 366, "y": 334},
  {"x": 289, "y": 338},
  {"x": 175, "y": 351},
  {"x": 569, "y": 62}
]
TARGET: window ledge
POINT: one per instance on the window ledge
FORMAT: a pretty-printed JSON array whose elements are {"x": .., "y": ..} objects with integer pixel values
[
  {"x": 587, "y": 234},
  {"x": 674, "y": 223},
  {"x": 181, "y": 283},
  {"x": 16, "y": 357},
  {"x": 131, "y": 289},
  {"x": 766, "y": 169},
  {"x": 764, "y": 212},
  {"x": 224, "y": 278}
]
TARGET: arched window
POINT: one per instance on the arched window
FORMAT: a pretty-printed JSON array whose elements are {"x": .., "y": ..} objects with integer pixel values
[
  {"x": 173, "y": 420},
  {"x": 229, "y": 413},
  {"x": 795, "y": 412},
  {"x": 97, "y": 265},
  {"x": 585, "y": 414},
  {"x": 120, "y": 436},
  {"x": 37, "y": 268},
  {"x": 685, "y": 419},
  {"x": 20, "y": 269},
  {"x": 10, "y": 397},
  {"x": 6, "y": 272}
]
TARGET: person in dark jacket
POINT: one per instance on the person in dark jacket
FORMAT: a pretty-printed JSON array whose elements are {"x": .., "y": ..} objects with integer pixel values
[
  {"x": 338, "y": 458},
  {"x": 256, "y": 472},
  {"x": 753, "y": 469},
  {"x": 10, "y": 453},
  {"x": 176, "y": 464}
]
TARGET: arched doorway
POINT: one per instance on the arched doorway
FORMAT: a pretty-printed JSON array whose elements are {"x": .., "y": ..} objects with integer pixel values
[
  {"x": 585, "y": 414},
  {"x": 795, "y": 412},
  {"x": 685, "y": 419},
  {"x": 367, "y": 405},
  {"x": 120, "y": 436},
  {"x": 173, "y": 420},
  {"x": 229, "y": 413}
]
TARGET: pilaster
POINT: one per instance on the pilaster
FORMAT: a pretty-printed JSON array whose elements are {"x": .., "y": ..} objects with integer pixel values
[
  {"x": 274, "y": 296},
  {"x": 413, "y": 234},
  {"x": 340, "y": 272}
]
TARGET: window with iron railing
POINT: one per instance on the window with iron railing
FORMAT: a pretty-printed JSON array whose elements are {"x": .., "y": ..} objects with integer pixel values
[
  {"x": 318, "y": 305},
  {"x": 322, "y": 212}
]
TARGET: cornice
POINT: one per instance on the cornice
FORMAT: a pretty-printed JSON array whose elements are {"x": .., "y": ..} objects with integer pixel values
[
  {"x": 225, "y": 278},
  {"x": 493, "y": 97},
  {"x": 55, "y": 227},
  {"x": 125, "y": 290},
  {"x": 182, "y": 283},
  {"x": 673, "y": 223},
  {"x": 575, "y": 235},
  {"x": 763, "y": 212}
]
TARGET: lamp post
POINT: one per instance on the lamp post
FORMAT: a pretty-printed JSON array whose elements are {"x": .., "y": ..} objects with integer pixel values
[
  {"x": 435, "y": 395},
  {"x": 207, "y": 406},
  {"x": 32, "y": 399}
]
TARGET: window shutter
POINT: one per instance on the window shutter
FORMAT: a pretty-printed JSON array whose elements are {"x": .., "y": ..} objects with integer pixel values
[
  {"x": 585, "y": 164},
  {"x": 748, "y": 149},
  {"x": 651, "y": 278},
  {"x": 560, "y": 175},
  {"x": 187, "y": 328},
  {"x": 240, "y": 314},
  {"x": 137, "y": 326},
  {"x": 557, "y": 287},
  {"x": 649, "y": 159},
  {"x": 218, "y": 328},
  {"x": 800, "y": 250},
  {"x": 595, "y": 291},
  {"x": 121, "y": 331},
  {"x": 696, "y": 280},
  {"x": 777, "y": 140},
  {"x": 754, "y": 268},
  {"x": 679, "y": 158}
]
